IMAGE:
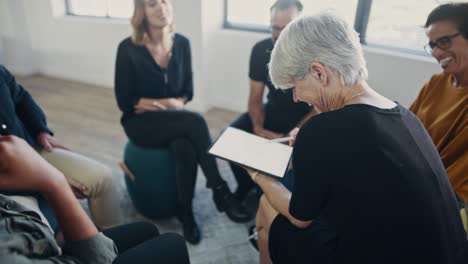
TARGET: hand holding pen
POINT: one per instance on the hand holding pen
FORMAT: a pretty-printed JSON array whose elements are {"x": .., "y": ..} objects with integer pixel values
[{"x": 291, "y": 138}]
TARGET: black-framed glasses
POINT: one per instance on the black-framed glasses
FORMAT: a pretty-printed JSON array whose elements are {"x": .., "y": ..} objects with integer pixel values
[{"x": 442, "y": 43}]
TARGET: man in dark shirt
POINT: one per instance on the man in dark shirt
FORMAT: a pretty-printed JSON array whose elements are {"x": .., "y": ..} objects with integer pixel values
[
  {"x": 280, "y": 114},
  {"x": 21, "y": 116}
]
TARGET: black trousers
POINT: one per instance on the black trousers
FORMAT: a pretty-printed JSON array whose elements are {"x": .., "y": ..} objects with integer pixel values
[
  {"x": 141, "y": 243},
  {"x": 275, "y": 121},
  {"x": 186, "y": 134}
]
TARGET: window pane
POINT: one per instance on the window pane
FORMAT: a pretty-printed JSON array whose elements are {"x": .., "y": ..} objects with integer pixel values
[
  {"x": 400, "y": 23},
  {"x": 257, "y": 12},
  {"x": 88, "y": 7},
  {"x": 120, "y": 8}
]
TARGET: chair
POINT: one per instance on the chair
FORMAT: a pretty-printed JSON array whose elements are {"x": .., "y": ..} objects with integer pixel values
[{"x": 150, "y": 179}]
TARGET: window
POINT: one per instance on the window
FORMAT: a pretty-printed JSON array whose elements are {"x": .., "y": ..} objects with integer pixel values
[
  {"x": 255, "y": 15},
  {"x": 100, "y": 8},
  {"x": 398, "y": 24}
]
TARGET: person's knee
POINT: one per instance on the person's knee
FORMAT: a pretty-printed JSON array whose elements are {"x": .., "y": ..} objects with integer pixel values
[
  {"x": 195, "y": 119},
  {"x": 103, "y": 182},
  {"x": 174, "y": 248},
  {"x": 146, "y": 228}
]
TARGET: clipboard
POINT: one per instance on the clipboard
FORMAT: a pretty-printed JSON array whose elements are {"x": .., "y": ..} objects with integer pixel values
[{"x": 252, "y": 151}]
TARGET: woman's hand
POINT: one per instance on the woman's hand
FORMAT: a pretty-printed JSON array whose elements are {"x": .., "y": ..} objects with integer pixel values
[
  {"x": 149, "y": 105},
  {"x": 153, "y": 105},
  {"x": 48, "y": 142},
  {"x": 293, "y": 133},
  {"x": 173, "y": 103},
  {"x": 265, "y": 133}
]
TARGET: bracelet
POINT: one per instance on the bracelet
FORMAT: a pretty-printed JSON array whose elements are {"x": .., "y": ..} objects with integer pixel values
[{"x": 254, "y": 175}]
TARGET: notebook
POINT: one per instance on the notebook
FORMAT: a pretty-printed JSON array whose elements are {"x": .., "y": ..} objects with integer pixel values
[{"x": 252, "y": 151}]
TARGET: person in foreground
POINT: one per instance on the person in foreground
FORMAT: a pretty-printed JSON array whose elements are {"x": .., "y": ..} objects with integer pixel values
[
  {"x": 153, "y": 82},
  {"x": 369, "y": 185},
  {"x": 25, "y": 236},
  {"x": 21, "y": 116},
  {"x": 442, "y": 104}
]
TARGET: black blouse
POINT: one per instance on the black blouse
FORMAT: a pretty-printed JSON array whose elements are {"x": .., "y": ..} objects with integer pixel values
[{"x": 138, "y": 75}]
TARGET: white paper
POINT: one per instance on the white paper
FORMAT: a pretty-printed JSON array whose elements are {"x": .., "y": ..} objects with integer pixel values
[{"x": 253, "y": 151}]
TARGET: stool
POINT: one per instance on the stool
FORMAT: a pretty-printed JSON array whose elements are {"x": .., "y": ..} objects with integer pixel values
[{"x": 151, "y": 180}]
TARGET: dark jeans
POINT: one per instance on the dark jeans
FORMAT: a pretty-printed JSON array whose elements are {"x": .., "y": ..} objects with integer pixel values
[
  {"x": 187, "y": 134},
  {"x": 141, "y": 243},
  {"x": 276, "y": 122}
]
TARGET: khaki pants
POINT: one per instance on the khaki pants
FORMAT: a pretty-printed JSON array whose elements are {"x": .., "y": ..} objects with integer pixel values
[{"x": 97, "y": 182}]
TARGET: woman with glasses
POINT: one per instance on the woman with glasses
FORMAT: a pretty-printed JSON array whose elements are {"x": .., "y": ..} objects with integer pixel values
[{"x": 442, "y": 104}]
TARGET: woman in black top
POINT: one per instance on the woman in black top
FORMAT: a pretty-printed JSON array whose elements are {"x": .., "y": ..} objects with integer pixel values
[
  {"x": 153, "y": 81},
  {"x": 369, "y": 185}
]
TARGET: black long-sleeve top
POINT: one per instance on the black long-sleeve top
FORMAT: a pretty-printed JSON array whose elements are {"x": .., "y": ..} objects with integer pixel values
[
  {"x": 138, "y": 75},
  {"x": 19, "y": 113}
]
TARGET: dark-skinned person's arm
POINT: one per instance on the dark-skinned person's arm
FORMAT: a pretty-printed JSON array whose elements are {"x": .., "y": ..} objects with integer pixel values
[
  {"x": 23, "y": 169},
  {"x": 257, "y": 111}
]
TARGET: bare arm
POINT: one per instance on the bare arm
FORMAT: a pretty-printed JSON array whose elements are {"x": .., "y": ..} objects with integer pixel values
[
  {"x": 257, "y": 111},
  {"x": 255, "y": 107},
  {"x": 72, "y": 219},
  {"x": 278, "y": 196},
  {"x": 21, "y": 168}
]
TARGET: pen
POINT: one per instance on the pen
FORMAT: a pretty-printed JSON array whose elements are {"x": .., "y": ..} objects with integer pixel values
[{"x": 280, "y": 140}]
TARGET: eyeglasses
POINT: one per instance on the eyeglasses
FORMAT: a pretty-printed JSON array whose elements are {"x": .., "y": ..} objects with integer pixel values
[{"x": 442, "y": 43}]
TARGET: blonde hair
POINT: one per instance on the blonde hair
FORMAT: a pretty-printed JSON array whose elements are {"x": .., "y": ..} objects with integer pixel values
[{"x": 140, "y": 24}]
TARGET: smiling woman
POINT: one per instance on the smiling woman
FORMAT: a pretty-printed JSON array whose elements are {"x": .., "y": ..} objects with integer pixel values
[{"x": 442, "y": 104}]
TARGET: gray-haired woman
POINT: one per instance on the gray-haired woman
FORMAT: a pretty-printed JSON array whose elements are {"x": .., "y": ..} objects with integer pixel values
[{"x": 369, "y": 186}]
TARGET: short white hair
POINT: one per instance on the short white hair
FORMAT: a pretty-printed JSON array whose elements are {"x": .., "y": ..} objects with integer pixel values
[{"x": 324, "y": 38}]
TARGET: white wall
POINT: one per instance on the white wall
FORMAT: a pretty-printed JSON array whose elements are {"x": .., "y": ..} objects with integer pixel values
[
  {"x": 15, "y": 37},
  {"x": 38, "y": 38}
]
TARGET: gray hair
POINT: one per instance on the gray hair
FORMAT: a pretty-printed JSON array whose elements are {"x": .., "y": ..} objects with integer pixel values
[{"x": 324, "y": 38}]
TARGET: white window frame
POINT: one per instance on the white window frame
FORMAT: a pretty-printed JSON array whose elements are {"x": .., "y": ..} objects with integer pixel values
[{"x": 69, "y": 12}]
